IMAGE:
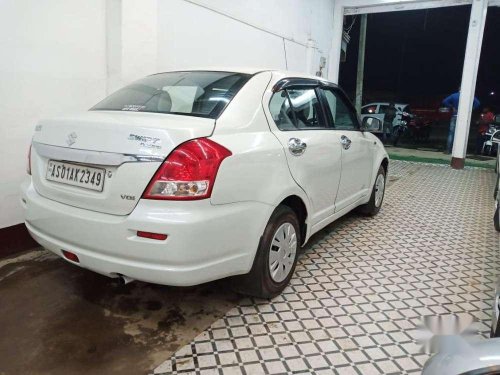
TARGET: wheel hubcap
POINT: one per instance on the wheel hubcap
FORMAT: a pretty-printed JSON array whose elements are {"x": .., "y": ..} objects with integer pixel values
[
  {"x": 379, "y": 190},
  {"x": 282, "y": 252}
]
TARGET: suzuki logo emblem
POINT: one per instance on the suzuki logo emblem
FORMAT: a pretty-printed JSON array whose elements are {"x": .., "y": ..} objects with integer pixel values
[{"x": 71, "y": 138}]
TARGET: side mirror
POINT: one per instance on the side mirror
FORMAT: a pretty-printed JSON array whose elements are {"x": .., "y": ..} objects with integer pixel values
[{"x": 371, "y": 124}]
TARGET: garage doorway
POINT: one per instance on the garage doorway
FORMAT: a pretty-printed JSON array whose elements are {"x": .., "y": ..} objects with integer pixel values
[
  {"x": 476, "y": 26},
  {"x": 415, "y": 59}
]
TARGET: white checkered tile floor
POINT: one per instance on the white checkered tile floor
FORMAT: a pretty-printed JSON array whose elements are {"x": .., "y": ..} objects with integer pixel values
[{"x": 362, "y": 286}]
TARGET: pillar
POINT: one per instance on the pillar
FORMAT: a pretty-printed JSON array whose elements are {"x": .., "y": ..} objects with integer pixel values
[{"x": 468, "y": 86}]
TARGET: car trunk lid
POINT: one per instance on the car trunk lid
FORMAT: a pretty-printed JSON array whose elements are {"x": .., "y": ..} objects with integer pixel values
[{"x": 120, "y": 150}]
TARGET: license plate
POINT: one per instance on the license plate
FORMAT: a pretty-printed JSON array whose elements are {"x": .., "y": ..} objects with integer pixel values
[{"x": 76, "y": 175}]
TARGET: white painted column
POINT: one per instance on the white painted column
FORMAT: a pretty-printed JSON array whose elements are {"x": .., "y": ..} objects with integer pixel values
[
  {"x": 131, "y": 41},
  {"x": 469, "y": 76},
  {"x": 311, "y": 45},
  {"x": 360, "y": 76},
  {"x": 139, "y": 39},
  {"x": 334, "y": 57}
]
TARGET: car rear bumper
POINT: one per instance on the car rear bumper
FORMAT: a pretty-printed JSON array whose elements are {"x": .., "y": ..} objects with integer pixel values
[{"x": 205, "y": 242}]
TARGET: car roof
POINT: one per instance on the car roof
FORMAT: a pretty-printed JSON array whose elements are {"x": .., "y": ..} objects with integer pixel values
[
  {"x": 245, "y": 70},
  {"x": 251, "y": 70}
]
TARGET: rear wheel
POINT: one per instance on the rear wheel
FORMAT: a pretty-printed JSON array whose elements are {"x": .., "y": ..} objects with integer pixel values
[
  {"x": 276, "y": 257},
  {"x": 373, "y": 206}
]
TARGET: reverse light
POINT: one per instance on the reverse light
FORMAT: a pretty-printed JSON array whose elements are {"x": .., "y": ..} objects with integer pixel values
[
  {"x": 189, "y": 171},
  {"x": 153, "y": 236},
  {"x": 28, "y": 166}
]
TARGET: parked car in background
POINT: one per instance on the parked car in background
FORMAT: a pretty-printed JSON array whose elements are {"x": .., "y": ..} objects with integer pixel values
[
  {"x": 431, "y": 119},
  {"x": 469, "y": 358},
  {"x": 463, "y": 355},
  {"x": 377, "y": 110},
  {"x": 186, "y": 177},
  {"x": 432, "y": 114}
]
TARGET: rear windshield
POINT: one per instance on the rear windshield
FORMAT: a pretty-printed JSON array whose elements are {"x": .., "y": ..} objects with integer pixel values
[{"x": 203, "y": 94}]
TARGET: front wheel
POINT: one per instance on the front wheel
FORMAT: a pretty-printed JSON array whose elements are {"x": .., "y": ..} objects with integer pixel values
[
  {"x": 276, "y": 257},
  {"x": 396, "y": 135},
  {"x": 495, "y": 321},
  {"x": 377, "y": 197}
]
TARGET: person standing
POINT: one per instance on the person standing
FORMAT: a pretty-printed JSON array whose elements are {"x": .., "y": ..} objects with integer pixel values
[
  {"x": 389, "y": 116},
  {"x": 452, "y": 103},
  {"x": 487, "y": 117}
]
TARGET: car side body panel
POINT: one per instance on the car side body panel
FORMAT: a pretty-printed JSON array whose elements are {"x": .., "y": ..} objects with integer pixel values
[
  {"x": 257, "y": 169},
  {"x": 367, "y": 171}
]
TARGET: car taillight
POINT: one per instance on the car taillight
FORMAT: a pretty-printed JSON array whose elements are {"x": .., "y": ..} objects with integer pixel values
[
  {"x": 188, "y": 172},
  {"x": 28, "y": 166}
]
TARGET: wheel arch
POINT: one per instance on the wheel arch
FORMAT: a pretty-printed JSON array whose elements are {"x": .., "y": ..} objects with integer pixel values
[
  {"x": 297, "y": 205},
  {"x": 381, "y": 159},
  {"x": 385, "y": 165}
]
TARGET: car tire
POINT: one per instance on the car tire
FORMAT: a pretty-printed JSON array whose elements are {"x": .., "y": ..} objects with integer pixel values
[
  {"x": 376, "y": 199},
  {"x": 496, "y": 218},
  {"x": 261, "y": 281},
  {"x": 495, "y": 192}
]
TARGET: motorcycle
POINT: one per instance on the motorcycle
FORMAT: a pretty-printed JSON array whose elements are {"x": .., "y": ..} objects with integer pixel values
[
  {"x": 489, "y": 144},
  {"x": 402, "y": 128}
]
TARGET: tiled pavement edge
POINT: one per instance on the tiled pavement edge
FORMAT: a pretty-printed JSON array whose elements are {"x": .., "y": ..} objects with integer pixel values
[{"x": 362, "y": 286}]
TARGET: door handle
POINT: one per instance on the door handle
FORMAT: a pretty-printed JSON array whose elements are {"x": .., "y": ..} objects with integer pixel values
[
  {"x": 296, "y": 146},
  {"x": 345, "y": 142}
]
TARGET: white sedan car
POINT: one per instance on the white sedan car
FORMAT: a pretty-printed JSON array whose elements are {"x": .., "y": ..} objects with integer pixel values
[{"x": 186, "y": 177}]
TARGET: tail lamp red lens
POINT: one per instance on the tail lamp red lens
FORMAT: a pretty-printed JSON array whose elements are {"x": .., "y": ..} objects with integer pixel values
[
  {"x": 153, "y": 236},
  {"x": 71, "y": 256},
  {"x": 189, "y": 171}
]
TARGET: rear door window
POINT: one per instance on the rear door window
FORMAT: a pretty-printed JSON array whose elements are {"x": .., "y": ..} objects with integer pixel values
[
  {"x": 306, "y": 108},
  {"x": 280, "y": 109},
  {"x": 196, "y": 93},
  {"x": 340, "y": 114},
  {"x": 297, "y": 109}
]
